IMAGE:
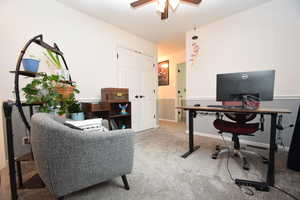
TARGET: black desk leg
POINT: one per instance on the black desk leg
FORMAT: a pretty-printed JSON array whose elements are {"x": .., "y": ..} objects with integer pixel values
[
  {"x": 270, "y": 175},
  {"x": 192, "y": 115},
  {"x": 7, "y": 107}
]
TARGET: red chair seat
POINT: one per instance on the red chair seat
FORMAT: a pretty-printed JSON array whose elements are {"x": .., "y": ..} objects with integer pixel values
[{"x": 236, "y": 128}]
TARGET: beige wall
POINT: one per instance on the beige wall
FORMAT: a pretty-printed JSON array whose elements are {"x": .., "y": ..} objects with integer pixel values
[
  {"x": 169, "y": 92},
  {"x": 92, "y": 66},
  {"x": 262, "y": 38},
  {"x": 2, "y": 150}
]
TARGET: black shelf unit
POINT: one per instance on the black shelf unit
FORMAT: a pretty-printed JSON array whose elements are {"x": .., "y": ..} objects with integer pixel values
[
  {"x": 109, "y": 111},
  {"x": 8, "y": 107},
  {"x": 119, "y": 118}
]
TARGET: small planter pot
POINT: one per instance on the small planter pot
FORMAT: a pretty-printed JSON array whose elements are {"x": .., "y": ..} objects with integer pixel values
[
  {"x": 30, "y": 65},
  {"x": 65, "y": 90},
  {"x": 77, "y": 116}
]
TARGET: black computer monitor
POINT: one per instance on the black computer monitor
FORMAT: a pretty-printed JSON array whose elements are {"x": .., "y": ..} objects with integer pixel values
[{"x": 234, "y": 86}]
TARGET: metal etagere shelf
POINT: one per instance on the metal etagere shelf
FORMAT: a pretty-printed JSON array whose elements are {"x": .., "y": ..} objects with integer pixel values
[{"x": 8, "y": 108}]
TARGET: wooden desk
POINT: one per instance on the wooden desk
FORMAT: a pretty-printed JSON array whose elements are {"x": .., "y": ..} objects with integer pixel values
[{"x": 264, "y": 111}]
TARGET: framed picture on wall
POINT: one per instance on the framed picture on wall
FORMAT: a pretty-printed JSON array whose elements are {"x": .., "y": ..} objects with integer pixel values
[{"x": 163, "y": 73}]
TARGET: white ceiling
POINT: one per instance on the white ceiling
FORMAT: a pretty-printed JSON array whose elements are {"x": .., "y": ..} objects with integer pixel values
[{"x": 145, "y": 22}]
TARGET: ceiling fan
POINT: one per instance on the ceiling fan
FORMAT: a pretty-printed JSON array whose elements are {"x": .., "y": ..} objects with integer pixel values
[{"x": 163, "y": 5}]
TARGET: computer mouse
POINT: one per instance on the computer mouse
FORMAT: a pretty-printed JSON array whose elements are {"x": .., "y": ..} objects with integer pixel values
[{"x": 197, "y": 105}]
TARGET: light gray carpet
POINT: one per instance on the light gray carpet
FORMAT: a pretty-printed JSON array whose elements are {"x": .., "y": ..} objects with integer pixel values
[{"x": 161, "y": 174}]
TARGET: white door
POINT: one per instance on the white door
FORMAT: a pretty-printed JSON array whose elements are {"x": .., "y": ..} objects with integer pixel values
[
  {"x": 137, "y": 73},
  {"x": 181, "y": 90}
]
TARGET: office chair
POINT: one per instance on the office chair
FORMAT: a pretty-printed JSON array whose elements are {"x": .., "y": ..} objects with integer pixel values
[{"x": 237, "y": 126}]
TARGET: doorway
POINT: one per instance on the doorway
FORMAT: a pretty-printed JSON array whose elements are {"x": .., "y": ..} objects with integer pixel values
[{"x": 181, "y": 91}]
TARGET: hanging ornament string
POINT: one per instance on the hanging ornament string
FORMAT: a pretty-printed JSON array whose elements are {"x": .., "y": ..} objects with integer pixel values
[{"x": 195, "y": 48}]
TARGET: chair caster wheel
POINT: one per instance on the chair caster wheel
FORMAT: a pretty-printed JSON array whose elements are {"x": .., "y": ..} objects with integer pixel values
[
  {"x": 265, "y": 160},
  {"x": 217, "y": 147},
  {"x": 214, "y": 156},
  {"x": 245, "y": 164}
]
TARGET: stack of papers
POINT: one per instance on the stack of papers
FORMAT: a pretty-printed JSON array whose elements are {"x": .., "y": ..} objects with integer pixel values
[{"x": 89, "y": 125}]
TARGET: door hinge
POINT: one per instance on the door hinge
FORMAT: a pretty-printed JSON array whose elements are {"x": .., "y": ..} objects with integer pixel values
[
  {"x": 154, "y": 91},
  {"x": 154, "y": 116},
  {"x": 117, "y": 56},
  {"x": 153, "y": 65}
]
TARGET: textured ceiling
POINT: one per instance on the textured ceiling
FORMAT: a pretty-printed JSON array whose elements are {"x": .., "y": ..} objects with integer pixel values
[{"x": 145, "y": 22}]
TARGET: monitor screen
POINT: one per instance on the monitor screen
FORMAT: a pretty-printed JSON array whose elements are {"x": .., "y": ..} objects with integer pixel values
[{"x": 232, "y": 86}]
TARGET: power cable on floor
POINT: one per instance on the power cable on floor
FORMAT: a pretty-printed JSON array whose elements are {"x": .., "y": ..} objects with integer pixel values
[
  {"x": 285, "y": 192},
  {"x": 247, "y": 190}
]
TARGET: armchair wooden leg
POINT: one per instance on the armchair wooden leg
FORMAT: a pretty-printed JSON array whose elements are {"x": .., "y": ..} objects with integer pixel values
[{"x": 125, "y": 182}]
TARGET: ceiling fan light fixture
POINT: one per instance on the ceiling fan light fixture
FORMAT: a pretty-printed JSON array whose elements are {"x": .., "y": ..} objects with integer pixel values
[
  {"x": 160, "y": 5},
  {"x": 174, "y": 4}
]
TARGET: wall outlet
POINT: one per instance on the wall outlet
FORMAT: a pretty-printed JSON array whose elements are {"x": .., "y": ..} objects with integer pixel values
[{"x": 26, "y": 140}]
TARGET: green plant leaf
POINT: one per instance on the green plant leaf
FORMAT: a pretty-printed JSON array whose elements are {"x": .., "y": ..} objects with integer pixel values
[
  {"x": 58, "y": 62},
  {"x": 54, "y": 59}
]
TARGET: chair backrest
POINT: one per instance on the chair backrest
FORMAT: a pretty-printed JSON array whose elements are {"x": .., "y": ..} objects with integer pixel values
[{"x": 241, "y": 117}]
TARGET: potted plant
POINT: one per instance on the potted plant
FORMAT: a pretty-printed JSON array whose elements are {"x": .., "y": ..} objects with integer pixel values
[
  {"x": 43, "y": 90},
  {"x": 75, "y": 111},
  {"x": 53, "y": 60},
  {"x": 65, "y": 90}
]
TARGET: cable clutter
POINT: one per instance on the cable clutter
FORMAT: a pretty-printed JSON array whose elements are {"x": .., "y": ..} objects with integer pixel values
[{"x": 259, "y": 186}]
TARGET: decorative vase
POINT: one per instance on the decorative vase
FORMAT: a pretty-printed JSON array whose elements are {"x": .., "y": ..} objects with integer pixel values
[
  {"x": 77, "y": 116},
  {"x": 30, "y": 65}
]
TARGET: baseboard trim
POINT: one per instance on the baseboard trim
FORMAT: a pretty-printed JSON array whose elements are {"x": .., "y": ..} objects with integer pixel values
[
  {"x": 242, "y": 141},
  {"x": 168, "y": 120}
]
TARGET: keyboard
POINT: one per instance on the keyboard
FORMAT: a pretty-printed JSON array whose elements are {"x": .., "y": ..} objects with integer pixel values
[
  {"x": 222, "y": 106},
  {"x": 216, "y": 106}
]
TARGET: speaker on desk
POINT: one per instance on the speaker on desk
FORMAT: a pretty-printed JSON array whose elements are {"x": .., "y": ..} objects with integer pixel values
[{"x": 294, "y": 152}]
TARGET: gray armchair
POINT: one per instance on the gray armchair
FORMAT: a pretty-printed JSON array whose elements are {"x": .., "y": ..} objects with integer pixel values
[{"x": 69, "y": 160}]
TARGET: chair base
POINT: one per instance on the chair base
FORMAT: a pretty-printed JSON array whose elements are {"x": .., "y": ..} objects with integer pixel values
[{"x": 238, "y": 153}]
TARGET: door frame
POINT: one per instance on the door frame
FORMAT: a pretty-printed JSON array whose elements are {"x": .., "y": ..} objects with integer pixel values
[{"x": 155, "y": 84}]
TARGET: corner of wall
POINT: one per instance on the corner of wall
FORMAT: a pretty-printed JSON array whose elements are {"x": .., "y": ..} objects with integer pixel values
[{"x": 2, "y": 144}]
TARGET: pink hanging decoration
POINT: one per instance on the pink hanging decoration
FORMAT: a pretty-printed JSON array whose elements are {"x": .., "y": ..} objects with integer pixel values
[{"x": 195, "y": 52}]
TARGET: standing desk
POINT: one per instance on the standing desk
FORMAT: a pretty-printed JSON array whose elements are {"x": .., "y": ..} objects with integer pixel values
[{"x": 264, "y": 111}]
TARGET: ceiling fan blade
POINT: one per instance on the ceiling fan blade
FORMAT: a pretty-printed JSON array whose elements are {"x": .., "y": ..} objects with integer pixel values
[
  {"x": 165, "y": 14},
  {"x": 139, "y": 3},
  {"x": 193, "y": 1}
]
